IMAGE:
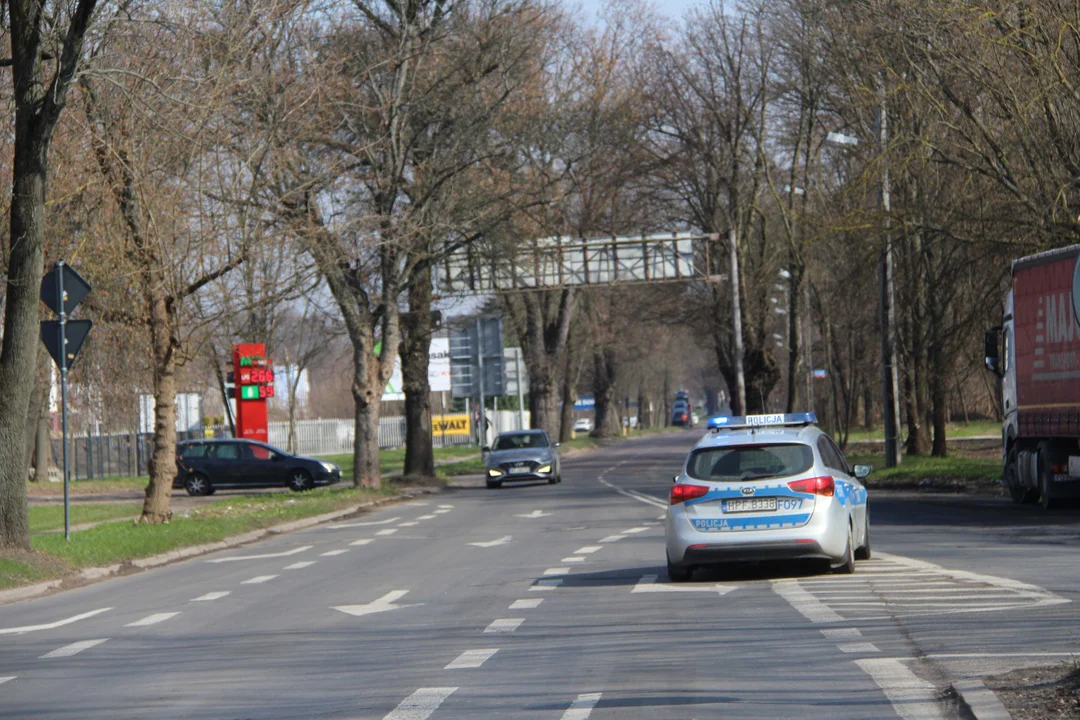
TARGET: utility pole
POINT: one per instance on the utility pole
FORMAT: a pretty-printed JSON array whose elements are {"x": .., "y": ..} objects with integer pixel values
[
  {"x": 890, "y": 379},
  {"x": 736, "y": 319}
]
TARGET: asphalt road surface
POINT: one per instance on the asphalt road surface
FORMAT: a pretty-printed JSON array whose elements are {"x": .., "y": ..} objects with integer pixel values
[{"x": 551, "y": 602}]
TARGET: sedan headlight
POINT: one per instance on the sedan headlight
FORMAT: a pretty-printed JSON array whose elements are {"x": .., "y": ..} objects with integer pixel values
[
  {"x": 492, "y": 472},
  {"x": 544, "y": 469},
  {"x": 329, "y": 467}
]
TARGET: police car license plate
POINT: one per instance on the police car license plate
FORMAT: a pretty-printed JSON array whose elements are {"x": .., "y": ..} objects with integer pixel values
[{"x": 749, "y": 504}]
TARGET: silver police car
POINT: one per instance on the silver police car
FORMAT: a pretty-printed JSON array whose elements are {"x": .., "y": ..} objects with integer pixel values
[{"x": 766, "y": 487}]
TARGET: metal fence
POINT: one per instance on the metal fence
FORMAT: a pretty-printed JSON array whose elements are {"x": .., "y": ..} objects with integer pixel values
[{"x": 128, "y": 454}]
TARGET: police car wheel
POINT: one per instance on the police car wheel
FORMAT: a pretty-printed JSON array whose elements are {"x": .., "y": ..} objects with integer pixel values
[
  {"x": 679, "y": 573},
  {"x": 863, "y": 552},
  {"x": 847, "y": 567}
]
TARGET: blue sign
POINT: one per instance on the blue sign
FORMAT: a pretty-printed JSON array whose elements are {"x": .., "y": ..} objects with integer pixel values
[{"x": 585, "y": 402}]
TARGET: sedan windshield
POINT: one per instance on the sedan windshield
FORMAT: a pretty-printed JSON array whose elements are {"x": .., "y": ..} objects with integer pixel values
[
  {"x": 749, "y": 462},
  {"x": 520, "y": 441}
]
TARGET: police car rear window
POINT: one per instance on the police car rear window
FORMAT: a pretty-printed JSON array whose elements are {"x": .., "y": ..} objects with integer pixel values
[{"x": 749, "y": 462}]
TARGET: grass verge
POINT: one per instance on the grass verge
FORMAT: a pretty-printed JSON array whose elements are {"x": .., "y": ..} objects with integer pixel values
[
  {"x": 931, "y": 471},
  {"x": 116, "y": 542},
  {"x": 51, "y": 517},
  {"x": 975, "y": 428}
]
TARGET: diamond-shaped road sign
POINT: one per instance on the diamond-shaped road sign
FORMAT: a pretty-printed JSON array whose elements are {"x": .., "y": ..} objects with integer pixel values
[
  {"x": 75, "y": 333},
  {"x": 75, "y": 288}
]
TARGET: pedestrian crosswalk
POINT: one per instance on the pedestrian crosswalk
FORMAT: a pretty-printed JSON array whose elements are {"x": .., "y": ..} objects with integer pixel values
[{"x": 894, "y": 585}]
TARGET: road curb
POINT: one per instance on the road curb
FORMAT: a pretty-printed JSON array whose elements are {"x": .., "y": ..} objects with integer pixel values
[
  {"x": 94, "y": 574},
  {"x": 979, "y": 701}
]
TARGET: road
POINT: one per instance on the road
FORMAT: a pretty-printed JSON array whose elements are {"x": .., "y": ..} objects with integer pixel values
[{"x": 551, "y": 602}]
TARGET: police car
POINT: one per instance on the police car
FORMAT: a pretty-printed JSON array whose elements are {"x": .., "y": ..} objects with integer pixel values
[{"x": 766, "y": 487}]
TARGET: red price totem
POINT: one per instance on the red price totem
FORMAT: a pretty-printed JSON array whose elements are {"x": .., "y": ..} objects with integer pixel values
[{"x": 253, "y": 374}]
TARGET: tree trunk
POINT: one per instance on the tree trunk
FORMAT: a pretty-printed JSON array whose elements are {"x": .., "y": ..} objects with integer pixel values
[
  {"x": 566, "y": 420},
  {"x": 163, "y": 456},
  {"x": 794, "y": 339},
  {"x": 415, "y": 359},
  {"x": 605, "y": 370},
  {"x": 542, "y": 322},
  {"x": 644, "y": 416},
  {"x": 367, "y": 398},
  {"x": 36, "y": 439},
  {"x": 868, "y": 405}
]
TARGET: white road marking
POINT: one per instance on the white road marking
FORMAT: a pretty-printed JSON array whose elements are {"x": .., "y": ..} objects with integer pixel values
[
  {"x": 587, "y": 550},
  {"x": 572, "y": 559},
  {"x": 912, "y": 698},
  {"x": 493, "y": 543},
  {"x": 471, "y": 659},
  {"x": 504, "y": 625},
  {"x": 648, "y": 584},
  {"x": 557, "y": 571},
  {"x": 333, "y": 553},
  {"x": 6, "y": 679},
  {"x": 408, "y": 524},
  {"x": 421, "y": 704},
  {"x": 545, "y": 584},
  {"x": 364, "y": 524},
  {"x": 73, "y": 649},
  {"x": 363, "y": 541},
  {"x": 840, "y": 633},
  {"x": 527, "y": 604},
  {"x": 391, "y": 531},
  {"x": 259, "y": 579},
  {"x": 937, "y": 656},
  {"x": 443, "y": 511},
  {"x": 263, "y": 556},
  {"x": 634, "y": 530},
  {"x": 444, "y": 507},
  {"x": 860, "y": 647},
  {"x": 534, "y": 514},
  {"x": 426, "y": 517},
  {"x": 612, "y": 538},
  {"x": 810, "y": 607},
  {"x": 153, "y": 619},
  {"x": 633, "y": 494},
  {"x": 582, "y": 706},
  {"x": 212, "y": 596},
  {"x": 50, "y": 626},
  {"x": 300, "y": 565},
  {"x": 383, "y": 604}
]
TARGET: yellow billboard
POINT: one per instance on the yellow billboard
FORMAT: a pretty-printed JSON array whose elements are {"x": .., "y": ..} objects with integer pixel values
[{"x": 450, "y": 425}]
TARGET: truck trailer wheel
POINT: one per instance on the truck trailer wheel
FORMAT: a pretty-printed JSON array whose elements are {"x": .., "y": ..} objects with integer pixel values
[
  {"x": 1019, "y": 493},
  {"x": 1046, "y": 479}
]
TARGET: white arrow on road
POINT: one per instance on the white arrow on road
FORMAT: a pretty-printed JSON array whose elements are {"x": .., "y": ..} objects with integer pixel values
[
  {"x": 287, "y": 553},
  {"x": 52, "y": 625},
  {"x": 648, "y": 584},
  {"x": 383, "y": 604},
  {"x": 534, "y": 514},
  {"x": 492, "y": 543},
  {"x": 364, "y": 524}
]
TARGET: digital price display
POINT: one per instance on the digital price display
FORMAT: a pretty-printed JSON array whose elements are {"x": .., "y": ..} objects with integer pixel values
[
  {"x": 253, "y": 374},
  {"x": 256, "y": 383}
]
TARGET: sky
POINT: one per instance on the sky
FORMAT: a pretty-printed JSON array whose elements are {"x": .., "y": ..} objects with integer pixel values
[{"x": 672, "y": 8}]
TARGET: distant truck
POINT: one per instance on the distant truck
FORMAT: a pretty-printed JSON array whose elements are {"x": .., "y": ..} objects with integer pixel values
[{"x": 1036, "y": 353}]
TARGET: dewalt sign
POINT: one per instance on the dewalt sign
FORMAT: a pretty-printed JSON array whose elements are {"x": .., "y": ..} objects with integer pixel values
[{"x": 450, "y": 425}]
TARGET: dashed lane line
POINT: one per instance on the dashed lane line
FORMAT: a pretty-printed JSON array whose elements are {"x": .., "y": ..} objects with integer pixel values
[
  {"x": 588, "y": 550},
  {"x": 411, "y": 523},
  {"x": 421, "y": 704},
  {"x": 582, "y": 706},
  {"x": 362, "y": 541},
  {"x": 7, "y": 679},
  {"x": 426, "y": 517},
  {"x": 262, "y": 556},
  {"x": 526, "y": 604},
  {"x": 153, "y": 619},
  {"x": 841, "y": 633},
  {"x": 859, "y": 647},
  {"x": 633, "y": 494},
  {"x": 50, "y": 626},
  {"x": 445, "y": 507},
  {"x": 573, "y": 559},
  {"x": 73, "y": 649},
  {"x": 471, "y": 659},
  {"x": 612, "y": 538},
  {"x": 391, "y": 531},
  {"x": 504, "y": 625},
  {"x": 259, "y": 579},
  {"x": 634, "y": 530},
  {"x": 333, "y": 553},
  {"x": 442, "y": 511},
  {"x": 912, "y": 697},
  {"x": 557, "y": 571},
  {"x": 300, "y": 565},
  {"x": 211, "y": 596}
]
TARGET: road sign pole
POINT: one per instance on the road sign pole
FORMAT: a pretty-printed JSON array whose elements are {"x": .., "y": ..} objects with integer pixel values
[
  {"x": 521, "y": 403},
  {"x": 63, "y": 400},
  {"x": 480, "y": 367}
]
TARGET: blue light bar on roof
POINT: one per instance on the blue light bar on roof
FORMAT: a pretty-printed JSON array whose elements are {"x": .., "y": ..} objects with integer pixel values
[{"x": 726, "y": 422}]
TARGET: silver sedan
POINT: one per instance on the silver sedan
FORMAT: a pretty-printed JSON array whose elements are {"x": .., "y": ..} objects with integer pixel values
[
  {"x": 766, "y": 487},
  {"x": 521, "y": 455}
]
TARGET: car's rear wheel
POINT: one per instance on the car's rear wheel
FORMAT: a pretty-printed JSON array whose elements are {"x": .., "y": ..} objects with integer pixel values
[
  {"x": 494, "y": 484},
  {"x": 198, "y": 484},
  {"x": 679, "y": 573},
  {"x": 847, "y": 567},
  {"x": 863, "y": 551},
  {"x": 300, "y": 480}
]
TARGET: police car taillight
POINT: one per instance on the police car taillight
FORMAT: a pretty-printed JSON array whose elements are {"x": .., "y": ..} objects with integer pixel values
[
  {"x": 815, "y": 486},
  {"x": 682, "y": 493}
]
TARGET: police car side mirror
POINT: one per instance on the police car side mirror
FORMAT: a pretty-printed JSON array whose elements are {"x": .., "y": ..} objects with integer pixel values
[
  {"x": 863, "y": 471},
  {"x": 675, "y": 479}
]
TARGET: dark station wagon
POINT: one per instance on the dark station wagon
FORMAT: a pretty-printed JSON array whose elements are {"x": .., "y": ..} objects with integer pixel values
[{"x": 203, "y": 466}]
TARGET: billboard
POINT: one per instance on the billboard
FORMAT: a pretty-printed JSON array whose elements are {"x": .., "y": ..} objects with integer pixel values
[{"x": 438, "y": 371}]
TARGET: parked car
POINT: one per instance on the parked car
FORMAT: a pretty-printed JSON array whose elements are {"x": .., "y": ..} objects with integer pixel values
[
  {"x": 203, "y": 466},
  {"x": 521, "y": 455},
  {"x": 583, "y": 425}
]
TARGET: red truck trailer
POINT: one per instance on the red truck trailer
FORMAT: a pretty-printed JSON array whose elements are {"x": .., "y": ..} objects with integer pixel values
[{"x": 1036, "y": 354}]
